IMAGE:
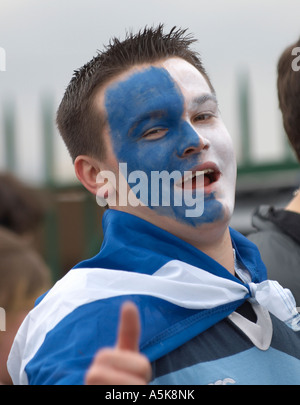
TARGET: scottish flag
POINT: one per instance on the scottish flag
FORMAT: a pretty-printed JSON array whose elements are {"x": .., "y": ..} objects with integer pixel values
[{"x": 179, "y": 290}]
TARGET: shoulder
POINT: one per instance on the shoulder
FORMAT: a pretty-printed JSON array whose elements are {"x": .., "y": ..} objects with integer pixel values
[{"x": 61, "y": 324}]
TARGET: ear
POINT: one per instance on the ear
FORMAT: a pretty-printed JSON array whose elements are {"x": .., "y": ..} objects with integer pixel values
[
  {"x": 87, "y": 169},
  {"x": 100, "y": 182}
]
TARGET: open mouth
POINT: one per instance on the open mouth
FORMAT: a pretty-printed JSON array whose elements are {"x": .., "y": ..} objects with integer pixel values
[{"x": 207, "y": 173}]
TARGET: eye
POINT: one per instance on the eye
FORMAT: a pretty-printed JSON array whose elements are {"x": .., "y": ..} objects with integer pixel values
[
  {"x": 155, "y": 133},
  {"x": 203, "y": 117}
]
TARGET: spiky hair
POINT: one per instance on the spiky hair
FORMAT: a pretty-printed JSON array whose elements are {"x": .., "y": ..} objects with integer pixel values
[{"x": 78, "y": 121}]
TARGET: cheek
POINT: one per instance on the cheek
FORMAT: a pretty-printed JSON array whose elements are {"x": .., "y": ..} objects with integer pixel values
[
  {"x": 229, "y": 161},
  {"x": 222, "y": 145},
  {"x": 148, "y": 156}
]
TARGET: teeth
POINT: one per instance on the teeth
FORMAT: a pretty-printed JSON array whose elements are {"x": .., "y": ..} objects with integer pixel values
[
  {"x": 190, "y": 176},
  {"x": 197, "y": 173}
]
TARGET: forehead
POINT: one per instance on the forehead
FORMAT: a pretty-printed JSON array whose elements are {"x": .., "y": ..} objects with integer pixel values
[
  {"x": 190, "y": 81},
  {"x": 151, "y": 88},
  {"x": 154, "y": 84}
]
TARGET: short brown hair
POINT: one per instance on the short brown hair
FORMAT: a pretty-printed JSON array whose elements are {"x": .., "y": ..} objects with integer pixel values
[
  {"x": 288, "y": 86},
  {"x": 78, "y": 122}
]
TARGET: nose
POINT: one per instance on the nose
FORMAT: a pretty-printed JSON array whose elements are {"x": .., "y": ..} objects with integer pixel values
[{"x": 192, "y": 141}]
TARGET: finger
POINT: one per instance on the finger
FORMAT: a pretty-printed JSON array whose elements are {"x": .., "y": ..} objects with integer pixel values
[
  {"x": 101, "y": 375},
  {"x": 129, "y": 362},
  {"x": 129, "y": 328}
]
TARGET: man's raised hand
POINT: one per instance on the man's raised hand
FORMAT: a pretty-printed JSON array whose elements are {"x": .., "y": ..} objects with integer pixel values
[{"x": 123, "y": 364}]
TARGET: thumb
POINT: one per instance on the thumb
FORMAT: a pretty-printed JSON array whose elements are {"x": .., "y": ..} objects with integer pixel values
[{"x": 129, "y": 328}]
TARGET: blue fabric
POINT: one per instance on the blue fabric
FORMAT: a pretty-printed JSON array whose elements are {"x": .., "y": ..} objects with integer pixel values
[
  {"x": 70, "y": 347},
  {"x": 277, "y": 368},
  {"x": 224, "y": 354},
  {"x": 132, "y": 244}
]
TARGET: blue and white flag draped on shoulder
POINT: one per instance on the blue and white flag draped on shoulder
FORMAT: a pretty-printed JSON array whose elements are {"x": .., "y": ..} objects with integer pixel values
[{"x": 180, "y": 292}]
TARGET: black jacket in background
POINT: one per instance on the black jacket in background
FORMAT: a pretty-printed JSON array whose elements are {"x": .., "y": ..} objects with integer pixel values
[{"x": 278, "y": 239}]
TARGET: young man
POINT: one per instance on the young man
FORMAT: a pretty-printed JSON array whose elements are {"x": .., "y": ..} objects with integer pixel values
[
  {"x": 278, "y": 230},
  {"x": 143, "y": 106}
]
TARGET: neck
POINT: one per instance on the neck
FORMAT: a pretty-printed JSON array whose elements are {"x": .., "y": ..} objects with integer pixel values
[
  {"x": 212, "y": 239},
  {"x": 220, "y": 249},
  {"x": 294, "y": 204}
]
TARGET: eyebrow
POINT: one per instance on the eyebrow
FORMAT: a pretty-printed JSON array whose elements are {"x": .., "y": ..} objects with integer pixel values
[
  {"x": 156, "y": 114},
  {"x": 204, "y": 98}
]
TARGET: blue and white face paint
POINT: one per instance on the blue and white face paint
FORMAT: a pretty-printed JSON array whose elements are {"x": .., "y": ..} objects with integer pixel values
[{"x": 164, "y": 119}]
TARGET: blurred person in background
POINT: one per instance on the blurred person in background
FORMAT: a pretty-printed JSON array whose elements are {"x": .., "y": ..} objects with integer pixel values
[
  {"x": 278, "y": 230},
  {"x": 23, "y": 278},
  {"x": 21, "y": 207}
]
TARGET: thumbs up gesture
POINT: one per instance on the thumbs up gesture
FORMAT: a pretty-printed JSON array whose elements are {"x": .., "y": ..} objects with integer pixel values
[{"x": 123, "y": 364}]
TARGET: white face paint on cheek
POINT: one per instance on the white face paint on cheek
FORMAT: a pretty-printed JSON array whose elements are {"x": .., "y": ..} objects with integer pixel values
[
  {"x": 223, "y": 149},
  {"x": 192, "y": 84}
]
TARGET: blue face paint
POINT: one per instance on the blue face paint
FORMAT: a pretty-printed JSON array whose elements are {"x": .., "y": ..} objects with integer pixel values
[{"x": 151, "y": 99}]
